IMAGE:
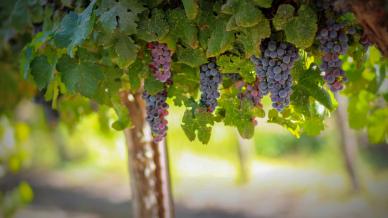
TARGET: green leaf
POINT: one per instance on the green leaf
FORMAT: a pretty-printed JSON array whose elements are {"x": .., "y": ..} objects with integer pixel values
[
  {"x": 234, "y": 64},
  {"x": 54, "y": 88},
  {"x": 121, "y": 14},
  {"x": 251, "y": 38},
  {"x": 309, "y": 84},
  {"x": 126, "y": 51},
  {"x": 122, "y": 113},
  {"x": 248, "y": 15},
  {"x": 135, "y": 72},
  {"x": 74, "y": 29},
  {"x": 191, "y": 8},
  {"x": 182, "y": 28},
  {"x": 378, "y": 126},
  {"x": 153, "y": 86},
  {"x": 188, "y": 125},
  {"x": 230, "y": 7},
  {"x": 283, "y": 15},
  {"x": 246, "y": 131},
  {"x": 80, "y": 77},
  {"x": 301, "y": 30},
  {"x": 26, "y": 57},
  {"x": 358, "y": 109},
  {"x": 191, "y": 57},
  {"x": 263, "y": 3},
  {"x": 154, "y": 28},
  {"x": 42, "y": 71},
  {"x": 313, "y": 126},
  {"x": 20, "y": 17},
  {"x": 186, "y": 83},
  {"x": 239, "y": 113},
  {"x": 197, "y": 123},
  {"x": 220, "y": 40}
]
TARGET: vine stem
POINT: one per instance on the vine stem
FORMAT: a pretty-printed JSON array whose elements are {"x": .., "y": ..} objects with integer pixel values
[{"x": 148, "y": 164}]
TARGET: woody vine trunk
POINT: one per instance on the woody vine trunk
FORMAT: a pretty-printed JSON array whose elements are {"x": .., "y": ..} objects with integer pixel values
[{"x": 148, "y": 164}]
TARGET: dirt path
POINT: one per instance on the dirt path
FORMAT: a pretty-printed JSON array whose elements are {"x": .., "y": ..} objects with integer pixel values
[{"x": 64, "y": 202}]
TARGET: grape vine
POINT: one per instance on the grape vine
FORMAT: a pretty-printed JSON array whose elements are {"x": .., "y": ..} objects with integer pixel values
[{"x": 277, "y": 48}]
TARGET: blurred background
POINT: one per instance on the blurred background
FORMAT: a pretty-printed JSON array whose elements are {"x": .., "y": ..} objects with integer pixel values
[{"x": 59, "y": 169}]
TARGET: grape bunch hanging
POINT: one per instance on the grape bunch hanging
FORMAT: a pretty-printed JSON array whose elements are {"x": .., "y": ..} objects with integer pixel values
[
  {"x": 157, "y": 107},
  {"x": 333, "y": 43},
  {"x": 210, "y": 78},
  {"x": 161, "y": 61},
  {"x": 273, "y": 71}
]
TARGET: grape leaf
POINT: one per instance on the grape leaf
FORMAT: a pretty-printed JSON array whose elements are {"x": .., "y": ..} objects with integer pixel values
[
  {"x": 153, "y": 86},
  {"x": 292, "y": 123},
  {"x": 79, "y": 77},
  {"x": 234, "y": 64},
  {"x": 309, "y": 84},
  {"x": 135, "y": 72},
  {"x": 121, "y": 14},
  {"x": 126, "y": 51},
  {"x": 301, "y": 30},
  {"x": 248, "y": 15},
  {"x": 378, "y": 126},
  {"x": 239, "y": 113},
  {"x": 191, "y": 8},
  {"x": 232, "y": 25},
  {"x": 74, "y": 29},
  {"x": 230, "y": 7},
  {"x": 20, "y": 17},
  {"x": 54, "y": 88},
  {"x": 186, "y": 83},
  {"x": 197, "y": 123},
  {"x": 182, "y": 28},
  {"x": 283, "y": 15},
  {"x": 28, "y": 52},
  {"x": 251, "y": 38},
  {"x": 191, "y": 57},
  {"x": 220, "y": 40},
  {"x": 263, "y": 3},
  {"x": 153, "y": 28},
  {"x": 358, "y": 109},
  {"x": 123, "y": 120},
  {"x": 26, "y": 57},
  {"x": 42, "y": 71},
  {"x": 313, "y": 126}
]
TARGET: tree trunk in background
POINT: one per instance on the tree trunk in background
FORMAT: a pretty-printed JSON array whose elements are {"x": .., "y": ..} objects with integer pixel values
[
  {"x": 148, "y": 165},
  {"x": 347, "y": 140},
  {"x": 372, "y": 16},
  {"x": 244, "y": 150}
]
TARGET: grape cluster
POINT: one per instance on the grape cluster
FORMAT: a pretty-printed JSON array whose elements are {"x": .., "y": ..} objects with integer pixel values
[
  {"x": 333, "y": 42},
  {"x": 210, "y": 78},
  {"x": 273, "y": 71},
  {"x": 157, "y": 110},
  {"x": 161, "y": 61}
]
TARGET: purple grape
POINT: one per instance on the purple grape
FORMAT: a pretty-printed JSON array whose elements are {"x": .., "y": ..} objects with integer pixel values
[
  {"x": 161, "y": 61},
  {"x": 157, "y": 110},
  {"x": 276, "y": 79},
  {"x": 210, "y": 78}
]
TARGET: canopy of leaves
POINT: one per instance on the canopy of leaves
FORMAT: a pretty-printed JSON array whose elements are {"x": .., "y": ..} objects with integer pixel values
[{"x": 98, "y": 48}]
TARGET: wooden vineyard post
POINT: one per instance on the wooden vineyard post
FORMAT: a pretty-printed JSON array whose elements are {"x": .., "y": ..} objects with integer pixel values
[
  {"x": 148, "y": 164},
  {"x": 348, "y": 142}
]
